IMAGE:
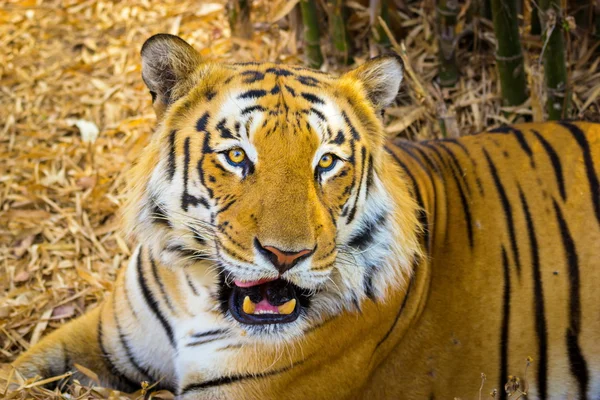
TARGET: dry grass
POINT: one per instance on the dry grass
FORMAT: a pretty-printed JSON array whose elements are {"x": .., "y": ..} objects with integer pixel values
[{"x": 64, "y": 62}]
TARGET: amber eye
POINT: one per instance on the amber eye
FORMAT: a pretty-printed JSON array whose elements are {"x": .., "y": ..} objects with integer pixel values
[
  {"x": 327, "y": 162},
  {"x": 236, "y": 157}
]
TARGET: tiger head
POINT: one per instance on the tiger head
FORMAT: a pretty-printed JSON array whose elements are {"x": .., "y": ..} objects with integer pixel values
[{"x": 272, "y": 177}]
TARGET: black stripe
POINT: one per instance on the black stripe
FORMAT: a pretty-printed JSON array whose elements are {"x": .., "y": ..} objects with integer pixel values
[
  {"x": 363, "y": 153},
  {"x": 589, "y": 165},
  {"x": 520, "y": 138},
  {"x": 507, "y": 210},
  {"x": 339, "y": 139},
  {"x": 253, "y": 94},
  {"x": 252, "y": 76},
  {"x": 538, "y": 301},
  {"x": 389, "y": 332},
  {"x": 473, "y": 162},
  {"x": 161, "y": 285},
  {"x": 312, "y": 98},
  {"x": 186, "y": 198},
  {"x": 227, "y": 380},
  {"x": 576, "y": 359},
  {"x": 319, "y": 114},
  {"x": 308, "y": 80},
  {"x": 504, "y": 330},
  {"x": 144, "y": 372},
  {"x": 159, "y": 216},
  {"x": 461, "y": 173},
  {"x": 191, "y": 284},
  {"x": 171, "y": 164},
  {"x": 279, "y": 72},
  {"x": 224, "y": 131},
  {"x": 128, "y": 384},
  {"x": 555, "y": 163},
  {"x": 353, "y": 130},
  {"x": 291, "y": 90},
  {"x": 370, "y": 173},
  {"x": 210, "y": 333},
  {"x": 422, "y": 214},
  {"x": 364, "y": 237},
  {"x": 250, "y": 109},
  {"x": 368, "y": 281},
  {"x": 463, "y": 198},
  {"x": 226, "y": 207},
  {"x": 202, "y": 123},
  {"x": 152, "y": 302}
]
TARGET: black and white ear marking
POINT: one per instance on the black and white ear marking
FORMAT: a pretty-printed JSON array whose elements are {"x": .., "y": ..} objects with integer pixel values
[
  {"x": 167, "y": 61},
  {"x": 381, "y": 78}
]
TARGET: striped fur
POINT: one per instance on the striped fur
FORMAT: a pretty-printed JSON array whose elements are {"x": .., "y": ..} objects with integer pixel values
[{"x": 434, "y": 261}]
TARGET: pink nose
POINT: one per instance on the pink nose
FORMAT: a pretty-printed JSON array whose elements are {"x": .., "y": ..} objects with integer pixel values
[{"x": 283, "y": 260}]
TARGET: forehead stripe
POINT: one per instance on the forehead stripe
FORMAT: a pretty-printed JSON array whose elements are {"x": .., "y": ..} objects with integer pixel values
[
  {"x": 253, "y": 94},
  {"x": 353, "y": 130},
  {"x": 202, "y": 122},
  {"x": 312, "y": 98},
  {"x": 250, "y": 109},
  {"x": 225, "y": 132},
  {"x": 171, "y": 162},
  {"x": 253, "y": 76}
]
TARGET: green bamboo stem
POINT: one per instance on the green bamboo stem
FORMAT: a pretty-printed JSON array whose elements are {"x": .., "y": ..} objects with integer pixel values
[
  {"x": 239, "y": 17},
  {"x": 384, "y": 13},
  {"x": 581, "y": 10},
  {"x": 555, "y": 64},
  {"x": 536, "y": 25},
  {"x": 339, "y": 33},
  {"x": 486, "y": 9},
  {"x": 509, "y": 56},
  {"x": 446, "y": 16},
  {"x": 597, "y": 19},
  {"x": 312, "y": 38}
]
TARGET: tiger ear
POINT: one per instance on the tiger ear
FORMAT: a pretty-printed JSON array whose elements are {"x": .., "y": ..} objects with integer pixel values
[
  {"x": 167, "y": 62},
  {"x": 381, "y": 78}
]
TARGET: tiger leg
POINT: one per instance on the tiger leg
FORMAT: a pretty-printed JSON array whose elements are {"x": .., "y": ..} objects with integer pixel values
[{"x": 74, "y": 343}]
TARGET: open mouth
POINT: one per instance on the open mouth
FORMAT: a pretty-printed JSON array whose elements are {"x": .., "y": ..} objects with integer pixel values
[{"x": 266, "y": 301}]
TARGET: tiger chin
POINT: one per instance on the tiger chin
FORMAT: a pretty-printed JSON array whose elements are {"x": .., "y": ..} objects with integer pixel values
[{"x": 288, "y": 249}]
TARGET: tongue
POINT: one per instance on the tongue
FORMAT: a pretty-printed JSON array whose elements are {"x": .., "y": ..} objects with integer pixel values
[
  {"x": 264, "y": 305},
  {"x": 253, "y": 283}
]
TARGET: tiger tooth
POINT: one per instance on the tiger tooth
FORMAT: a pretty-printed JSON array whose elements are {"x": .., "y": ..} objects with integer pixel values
[
  {"x": 249, "y": 306},
  {"x": 287, "y": 308}
]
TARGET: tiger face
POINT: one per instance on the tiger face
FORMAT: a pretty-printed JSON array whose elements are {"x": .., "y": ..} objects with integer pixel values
[{"x": 269, "y": 176}]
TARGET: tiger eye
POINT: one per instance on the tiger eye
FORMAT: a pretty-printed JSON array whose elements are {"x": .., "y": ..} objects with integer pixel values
[
  {"x": 326, "y": 161},
  {"x": 236, "y": 155}
]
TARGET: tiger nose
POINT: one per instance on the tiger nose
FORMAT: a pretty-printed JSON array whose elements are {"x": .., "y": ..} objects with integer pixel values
[{"x": 283, "y": 260}]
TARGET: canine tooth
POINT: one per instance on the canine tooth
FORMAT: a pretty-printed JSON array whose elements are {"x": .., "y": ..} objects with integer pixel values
[
  {"x": 249, "y": 306},
  {"x": 287, "y": 308}
]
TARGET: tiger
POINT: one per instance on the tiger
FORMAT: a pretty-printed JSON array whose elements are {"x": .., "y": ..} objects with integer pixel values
[{"x": 288, "y": 248}]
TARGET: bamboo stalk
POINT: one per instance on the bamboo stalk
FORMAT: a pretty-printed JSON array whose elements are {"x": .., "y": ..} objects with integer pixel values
[
  {"x": 339, "y": 33},
  {"x": 486, "y": 9},
  {"x": 239, "y": 18},
  {"x": 536, "y": 25},
  {"x": 582, "y": 12},
  {"x": 312, "y": 38},
  {"x": 384, "y": 13},
  {"x": 509, "y": 56},
  {"x": 597, "y": 19},
  {"x": 554, "y": 56},
  {"x": 446, "y": 16}
]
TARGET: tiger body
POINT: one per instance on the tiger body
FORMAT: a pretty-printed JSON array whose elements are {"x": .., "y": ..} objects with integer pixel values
[{"x": 418, "y": 266}]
